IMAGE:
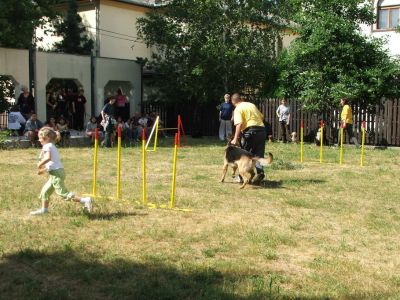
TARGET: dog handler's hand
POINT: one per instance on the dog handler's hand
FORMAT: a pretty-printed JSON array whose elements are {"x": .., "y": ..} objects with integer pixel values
[{"x": 234, "y": 141}]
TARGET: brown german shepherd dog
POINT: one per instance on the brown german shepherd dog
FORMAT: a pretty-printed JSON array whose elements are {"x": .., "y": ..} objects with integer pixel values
[{"x": 243, "y": 160}]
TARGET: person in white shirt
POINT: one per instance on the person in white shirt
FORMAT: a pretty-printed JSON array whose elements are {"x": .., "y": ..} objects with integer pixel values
[
  {"x": 16, "y": 121},
  {"x": 50, "y": 162},
  {"x": 283, "y": 113}
]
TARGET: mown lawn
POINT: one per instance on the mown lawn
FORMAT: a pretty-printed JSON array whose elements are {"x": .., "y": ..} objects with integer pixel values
[{"x": 312, "y": 231}]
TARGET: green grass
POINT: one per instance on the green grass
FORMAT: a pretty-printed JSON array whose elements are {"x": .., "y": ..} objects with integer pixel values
[{"x": 312, "y": 231}]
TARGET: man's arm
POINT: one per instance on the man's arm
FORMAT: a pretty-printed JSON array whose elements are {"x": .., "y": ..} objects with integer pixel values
[{"x": 237, "y": 134}]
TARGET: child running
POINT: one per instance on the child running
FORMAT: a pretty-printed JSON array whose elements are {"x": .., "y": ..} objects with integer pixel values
[{"x": 50, "y": 162}]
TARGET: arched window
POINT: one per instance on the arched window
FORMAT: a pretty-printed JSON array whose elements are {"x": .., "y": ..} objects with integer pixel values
[{"x": 388, "y": 14}]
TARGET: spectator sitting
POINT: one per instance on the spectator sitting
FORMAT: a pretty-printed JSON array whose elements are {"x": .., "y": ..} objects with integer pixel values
[
  {"x": 121, "y": 124},
  {"x": 32, "y": 127},
  {"x": 16, "y": 121},
  {"x": 51, "y": 123},
  {"x": 143, "y": 125},
  {"x": 91, "y": 127},
  {"x": 62, "y": 128}
]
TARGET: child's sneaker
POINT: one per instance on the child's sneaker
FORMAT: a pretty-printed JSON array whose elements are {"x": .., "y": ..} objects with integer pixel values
[
  {"x": 40, "y": 211},
  {"x": 87, "y": 207}
]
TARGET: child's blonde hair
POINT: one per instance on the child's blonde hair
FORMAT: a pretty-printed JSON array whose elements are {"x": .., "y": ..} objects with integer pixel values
[{"x": 49, "y": 133}]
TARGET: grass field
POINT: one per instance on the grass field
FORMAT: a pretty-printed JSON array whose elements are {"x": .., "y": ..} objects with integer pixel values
[{"x": 312, "y": 231}]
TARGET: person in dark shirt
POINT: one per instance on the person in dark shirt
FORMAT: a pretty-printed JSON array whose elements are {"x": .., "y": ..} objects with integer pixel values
[
  {"x": 26, "y": 103},
  {"x": 225, "y": 118},
  {"x": 108, "y": 121},
  {"x": 80, "y": 110}
]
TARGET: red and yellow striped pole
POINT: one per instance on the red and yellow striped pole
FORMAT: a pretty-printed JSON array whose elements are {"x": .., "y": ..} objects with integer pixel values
[
  {"x": 321, "y": 146},
  {"x": 302, "y": 141},
  {"x": 144, "y": 187},
  {"x": 119, "y": 164},
  {"x": 96, "y": 147},
  {"x": 172, "y": 198},
  {"x": 362, "y": 144}
]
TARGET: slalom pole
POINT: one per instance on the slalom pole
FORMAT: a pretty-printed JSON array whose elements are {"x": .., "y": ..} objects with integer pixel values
[
  {"x": 179, "y": 130},
  {"x": 144, "y": 191},
  {"x": 302, "y": 141},
  {"x": 341, "y": 144},
  {"x": 362, "y": 144},
  {"x": 119, "y": 164},
  {"x": 155, "y": 128},
  {"x": 321, "y": 148},
  {"x": 172, "y": 203},
  {"x": 96, "y": 147},
  {"x": 156, "y": 136}
]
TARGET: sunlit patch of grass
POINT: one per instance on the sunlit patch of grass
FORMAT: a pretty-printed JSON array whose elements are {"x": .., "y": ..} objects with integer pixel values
[{"x": 314, "y": 231}]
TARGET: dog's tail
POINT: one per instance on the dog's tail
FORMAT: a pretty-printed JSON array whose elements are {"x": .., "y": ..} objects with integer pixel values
[{"x": 265, "y": 161}]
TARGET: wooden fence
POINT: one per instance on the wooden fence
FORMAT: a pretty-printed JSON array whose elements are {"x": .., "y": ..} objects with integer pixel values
[{"x": 382, "y": 123}]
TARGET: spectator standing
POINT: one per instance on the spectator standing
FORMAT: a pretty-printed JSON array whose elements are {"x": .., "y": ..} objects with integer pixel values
[
  {"x": 16, "y": 121},
  {"x": 122, "y": 107},
  {"x": 225, "y": 118},
  {"x": 62, "y": 105},
  {"x": 51, "y": 104},
  {"x": 71, "y": 100},
  {"x": 346, "y": 120},
  {"x": 283, "y": 113},
  {"x": 108, "y": 121},
  {"x": 248, "y": 121},
  {"x": 80, "y": 110},
  {"x": 26, "y": 103},
  {"x": 32, "y": 128}
]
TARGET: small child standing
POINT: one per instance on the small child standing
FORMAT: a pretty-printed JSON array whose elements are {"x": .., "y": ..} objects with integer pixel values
[{"x": 50, "y": 162}]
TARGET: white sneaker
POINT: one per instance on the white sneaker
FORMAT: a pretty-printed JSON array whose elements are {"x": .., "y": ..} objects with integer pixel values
[
  {"x": 238, "y": 179},
  {"x": 87, "y": 207},
  {"x": 40, "y": 211}
]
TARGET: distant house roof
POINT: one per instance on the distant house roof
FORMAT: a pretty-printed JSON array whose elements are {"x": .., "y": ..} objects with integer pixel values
[{"x": 145, "y": 3}]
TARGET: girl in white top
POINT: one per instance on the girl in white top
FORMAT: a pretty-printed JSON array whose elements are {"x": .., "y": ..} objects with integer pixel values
[{"x": 50, "y": 162}]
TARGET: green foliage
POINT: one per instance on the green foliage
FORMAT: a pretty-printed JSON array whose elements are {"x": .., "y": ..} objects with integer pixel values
[
  {"x": 332, "y": 58},
  {"x": 71, "y": 29},
  {"x": 18, "y": 20},
  {"x": 6, "y": 91},
  {"x": 206, "y": 48}
]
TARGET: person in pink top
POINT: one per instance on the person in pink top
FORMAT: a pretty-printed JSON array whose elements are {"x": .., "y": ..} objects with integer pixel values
[{"x": 122, "y": 108}]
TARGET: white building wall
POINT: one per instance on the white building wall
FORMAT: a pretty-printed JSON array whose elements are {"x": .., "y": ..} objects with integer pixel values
[
  {"x": 15, "y": 63},
  {"x": 65, "y": 66},
  {"x": 108, "y": 69},
  {"x": 120, "y": 18}
]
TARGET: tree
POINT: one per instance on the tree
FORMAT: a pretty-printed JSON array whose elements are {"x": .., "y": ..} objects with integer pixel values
[
  {"x": 205, "y": 48},
  {"x": 19, "y": 19},
  {"x": 332, "y": 59},
  {"x": 6, "y": 92},
  {"x": 71, "y": 29}
]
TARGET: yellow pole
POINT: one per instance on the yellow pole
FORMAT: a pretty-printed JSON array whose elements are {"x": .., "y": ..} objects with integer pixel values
[
  {"x": 341, "y": 145},
  {"x": 96, "y": 147},
  {"x": 156, "y": 136},
  {"x": 144, "y": 192},
  {"x": 321, "y": 137},
  {"x": 302, "y": 141},
  {"x": 172, "y": 204},
  {"x": 362, "y": 145},
  {"x": 119, "y": 165}
]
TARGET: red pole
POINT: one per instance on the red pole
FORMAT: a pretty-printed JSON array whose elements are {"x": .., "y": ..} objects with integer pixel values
[
  {"x": 143, "y": 134},
  {"x": 119, "y": 131},
  {"x": 96, "y": 134}
]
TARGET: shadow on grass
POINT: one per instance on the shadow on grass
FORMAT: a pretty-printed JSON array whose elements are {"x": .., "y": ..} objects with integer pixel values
[
  {"x": 301, "y": 181},
  {"x": 31, "y": 274},
  {"x": 112, "y": 216}
]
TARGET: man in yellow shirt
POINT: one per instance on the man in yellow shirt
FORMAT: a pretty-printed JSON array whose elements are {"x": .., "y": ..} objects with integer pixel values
[
  {"x": 248, "y": 121},
  {"x": 346, "y": 120}
]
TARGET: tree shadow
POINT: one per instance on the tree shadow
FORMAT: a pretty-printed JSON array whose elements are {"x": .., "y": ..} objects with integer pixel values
[
  {"x": 113, "y": 215},
  {"x": 32, "y": 274},
  {"x": 271, "y": 184},
  {"x": 303, "y": 181}
]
